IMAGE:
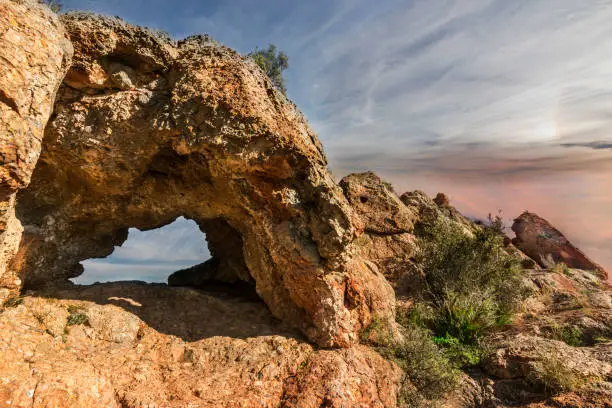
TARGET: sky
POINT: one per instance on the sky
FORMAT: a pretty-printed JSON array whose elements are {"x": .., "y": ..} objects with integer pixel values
[
  {"x": 499, "y": 104},
  {"x": 150, "y": 256}
]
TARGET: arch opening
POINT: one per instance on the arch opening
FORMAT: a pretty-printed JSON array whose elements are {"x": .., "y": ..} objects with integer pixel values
[{"x": 149, "y": 256}]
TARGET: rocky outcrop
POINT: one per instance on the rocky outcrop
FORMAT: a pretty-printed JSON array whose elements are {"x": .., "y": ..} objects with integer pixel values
[
  {"x": 134, "y": 345},
  {"x": 384, "y": 228},
  {"x": 548, "y": 246},
  {"x": 146, "y": 130},
  {"x": 34, "y": 56}
]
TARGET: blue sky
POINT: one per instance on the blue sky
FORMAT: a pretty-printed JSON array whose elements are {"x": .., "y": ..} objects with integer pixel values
[{"x": 492, "y": 101}]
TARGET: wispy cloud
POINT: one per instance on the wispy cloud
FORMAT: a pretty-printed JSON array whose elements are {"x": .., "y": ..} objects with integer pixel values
[{"x": 438, "y": 93}]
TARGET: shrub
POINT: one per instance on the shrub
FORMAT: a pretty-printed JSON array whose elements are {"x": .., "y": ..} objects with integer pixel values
[
  {"x": 427, "y": 370},
  {"x": 273, "y": 63},
  {"x": 54, "y": 5},
  {"x": 554, "y": 376},
  {"x": 472, "y": 283}
]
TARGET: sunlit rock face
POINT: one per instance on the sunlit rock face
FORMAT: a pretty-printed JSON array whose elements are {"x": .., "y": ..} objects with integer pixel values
[
  {"x": 146, "y": 130},
  {"x": 35, "y": 53}
]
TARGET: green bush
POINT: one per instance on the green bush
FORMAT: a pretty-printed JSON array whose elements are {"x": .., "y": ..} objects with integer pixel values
[
  {"x": 273, "y": 63},
  {"x": 472, "y": 283},
  {"x": 54, "y": 5}
]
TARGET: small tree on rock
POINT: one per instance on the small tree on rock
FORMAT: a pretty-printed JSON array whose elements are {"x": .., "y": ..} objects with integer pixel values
[
  {"x": 273, "y": 63},
  {"x": 54, "y": 5}
]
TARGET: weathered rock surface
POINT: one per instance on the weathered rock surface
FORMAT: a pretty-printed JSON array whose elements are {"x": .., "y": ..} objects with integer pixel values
[
  {"x": 384, "y": 228},
  {"x": 146, "y": 130},
  {"x": 521, "y": 356},
  {"x": 158, "y": 346},
  {"x": 34, "y": 56},
  {"x": 548, "y": 246}
]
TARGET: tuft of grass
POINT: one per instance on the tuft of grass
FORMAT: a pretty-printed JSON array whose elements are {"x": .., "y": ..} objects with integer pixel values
[
  {"x": 76, "y": 316},
  {"x": 569, "y": 334},
  {"x": 561, "y": 268},
  {"x": 555, "y": 377},
  {"x": 13, "y": 302}
]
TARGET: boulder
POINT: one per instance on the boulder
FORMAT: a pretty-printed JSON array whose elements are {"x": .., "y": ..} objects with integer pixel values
[
  {"x": 526, "y": 356},
  {"x": 380, "y": 210},
  {"x": 539, "y": 240}
]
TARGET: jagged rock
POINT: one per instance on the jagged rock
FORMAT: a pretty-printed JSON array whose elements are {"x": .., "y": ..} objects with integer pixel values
[
  {"x": 429, "y": 210},
  {"x": 146, "y": 130},
  {"x": 380, "y": 210},
  {"x": 34, "y": 56},
  {"x": 548, "y": 246}
]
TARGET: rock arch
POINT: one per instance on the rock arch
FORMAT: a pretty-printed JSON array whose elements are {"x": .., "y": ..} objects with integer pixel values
[{"x": 145, "y": 130}]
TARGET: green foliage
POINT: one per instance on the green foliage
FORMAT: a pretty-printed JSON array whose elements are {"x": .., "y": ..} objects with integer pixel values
[
  {"x": 461, "y": 355},
  {"x": 13, "y": 302},
  {"x": 273, "y": 63},
  {"x": 54, "y": 5},
  {"x": 473, "y": 284},
  {"x": 571, "y": 335},
  {"x": 76, "y": 316}
]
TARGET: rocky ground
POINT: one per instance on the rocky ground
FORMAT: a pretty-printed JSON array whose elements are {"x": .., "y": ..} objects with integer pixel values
[
  {"x": 139, "y": 345},
  {"x": 130, "y": 344}
]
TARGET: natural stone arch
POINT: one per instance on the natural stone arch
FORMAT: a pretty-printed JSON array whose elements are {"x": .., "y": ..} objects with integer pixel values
[{"x": 146, "y": 130}]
